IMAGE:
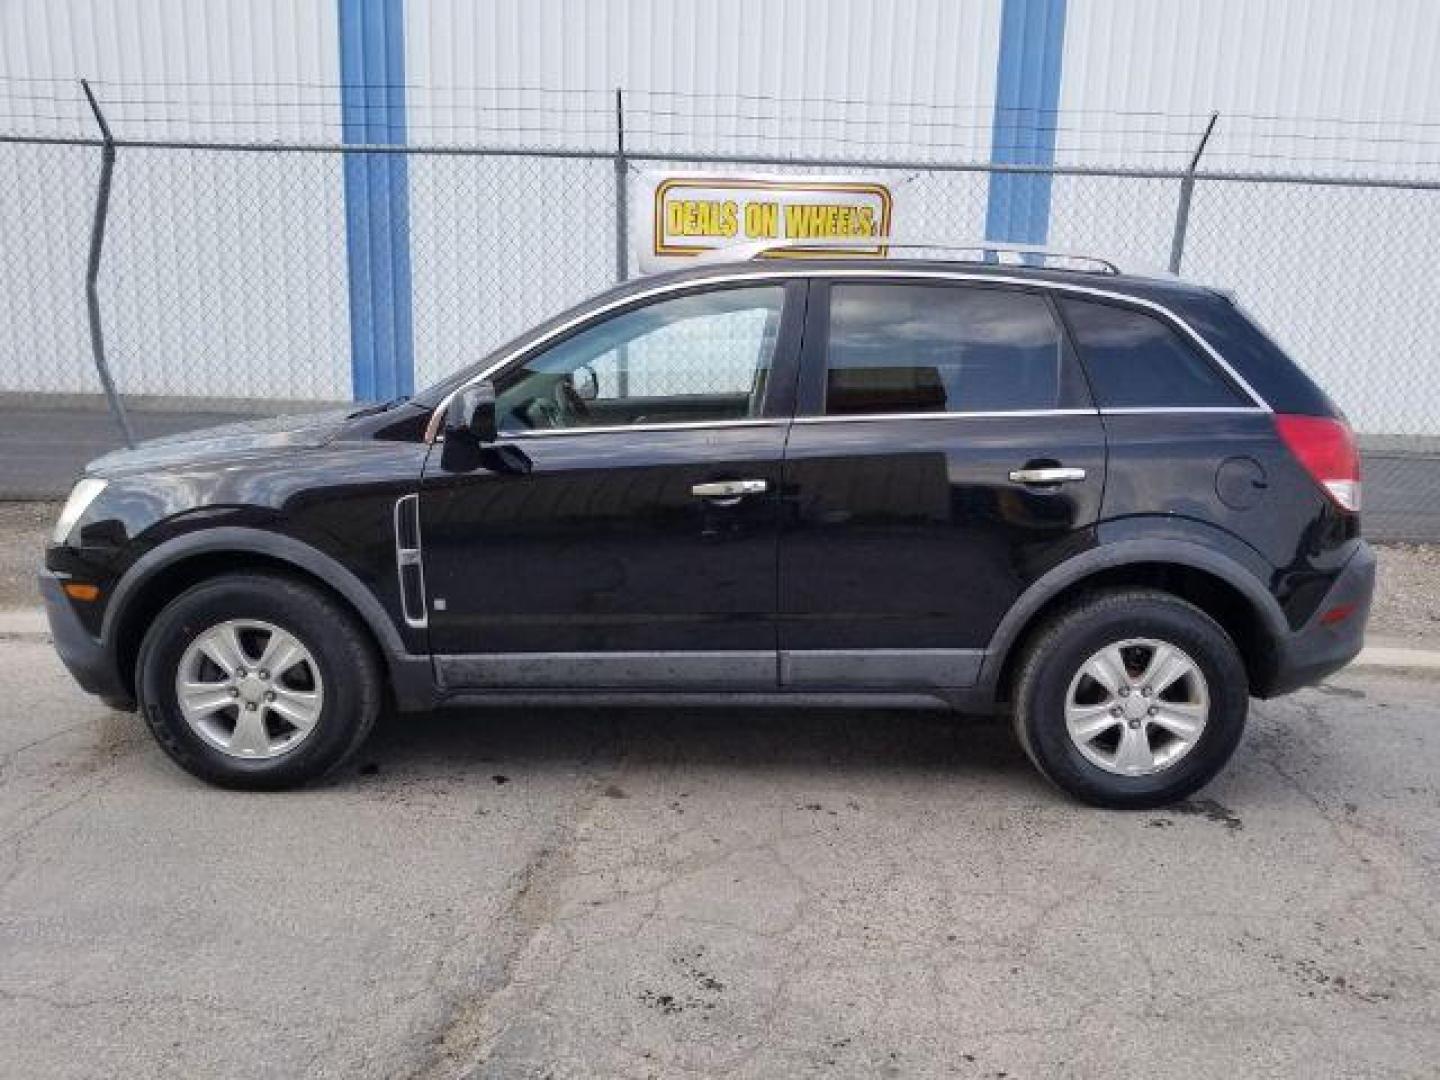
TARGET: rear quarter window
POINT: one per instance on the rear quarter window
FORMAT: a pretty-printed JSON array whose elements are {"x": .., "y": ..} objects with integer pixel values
[
  {"x": 1137, "y": 361},
  {"x": 1276, "y": 377}
]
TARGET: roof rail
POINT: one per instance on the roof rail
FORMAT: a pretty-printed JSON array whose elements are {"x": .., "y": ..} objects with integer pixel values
[{"x": 981, "y": 250}]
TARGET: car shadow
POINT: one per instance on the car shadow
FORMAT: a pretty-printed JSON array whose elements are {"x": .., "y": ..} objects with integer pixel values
[{"x": 724, "y": 738}]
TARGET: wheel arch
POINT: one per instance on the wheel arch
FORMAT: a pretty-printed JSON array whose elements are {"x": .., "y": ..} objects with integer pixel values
[
  {"x": 174, "y": 566},
  {"x": 1217, "y": 583}
]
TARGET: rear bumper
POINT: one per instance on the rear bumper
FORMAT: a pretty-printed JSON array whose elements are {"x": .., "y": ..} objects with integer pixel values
[
  {"x": 91, "y": 664},
  {"x": 1318, "y": 648}
]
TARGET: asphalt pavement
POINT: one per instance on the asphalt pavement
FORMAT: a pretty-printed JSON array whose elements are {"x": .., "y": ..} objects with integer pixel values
[
  {"x": 43, "y": 449},
  {"x": 718, "y": 892}
]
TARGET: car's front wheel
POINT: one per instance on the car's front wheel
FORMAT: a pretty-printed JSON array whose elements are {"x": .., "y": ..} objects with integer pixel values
[
  {"x": 257, "y": 681},
  {"x": 1131, "y": 699}
]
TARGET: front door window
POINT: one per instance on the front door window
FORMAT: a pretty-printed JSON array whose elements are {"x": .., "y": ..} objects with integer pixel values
[{"x": 704, "y": 357}]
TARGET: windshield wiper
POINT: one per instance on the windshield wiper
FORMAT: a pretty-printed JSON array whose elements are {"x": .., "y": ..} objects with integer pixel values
[{"x": 373, "y": 409}]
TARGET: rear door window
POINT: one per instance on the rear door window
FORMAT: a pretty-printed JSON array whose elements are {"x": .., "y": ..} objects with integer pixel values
[
  {"x": 1136, "y": 361},
  {"x": 903, "y": 348}
]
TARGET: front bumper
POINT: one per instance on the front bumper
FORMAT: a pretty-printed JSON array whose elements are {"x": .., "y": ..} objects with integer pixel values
[
  {"x": 92, "y": 665},
  {"x": 1318, "y": 648}
]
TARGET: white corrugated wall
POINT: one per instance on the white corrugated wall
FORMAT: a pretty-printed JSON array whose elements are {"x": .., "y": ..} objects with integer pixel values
[
  {"x": 1329, "y": 87},
  {"x": 789, "y": 77},
  {"x": 1315, "y": 85},
  {"x": 731, "y": 53},
  {"x": 222, "y": 276},
  {"x": 228, "y": 276}
]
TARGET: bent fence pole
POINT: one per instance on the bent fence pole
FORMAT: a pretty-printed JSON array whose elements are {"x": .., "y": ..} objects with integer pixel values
[
  {"x": 622, "y": 225},
  {"x": 92, "y": 267},
  {"x": 622, "y": 201},
  {"x": 1187, "y": 189}
]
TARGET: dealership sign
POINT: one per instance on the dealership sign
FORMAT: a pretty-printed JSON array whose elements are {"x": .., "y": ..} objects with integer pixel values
[{"x": 692, "y": 213}]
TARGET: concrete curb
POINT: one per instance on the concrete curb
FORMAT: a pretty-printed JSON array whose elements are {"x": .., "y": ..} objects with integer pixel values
[
  {"x": 1389, "y": 653},
  {"x": 23, "y": 623},
  {"x": 1384, "y": 653}
]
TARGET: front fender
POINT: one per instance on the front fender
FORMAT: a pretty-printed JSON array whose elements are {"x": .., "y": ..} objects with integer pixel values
[
  {"x": 272, "y": 545},
  {"x": 410, "y": 672}
]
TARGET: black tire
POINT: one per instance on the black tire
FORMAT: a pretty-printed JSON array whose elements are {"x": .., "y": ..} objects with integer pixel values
[
  {"x": 341, "y": 649},
  {"x": 1070, "y": 638}
]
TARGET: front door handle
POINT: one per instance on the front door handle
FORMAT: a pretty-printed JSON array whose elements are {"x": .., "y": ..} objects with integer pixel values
[
  {"x": 729, "y": 492},
  {"x": 1055, "y": 474}
]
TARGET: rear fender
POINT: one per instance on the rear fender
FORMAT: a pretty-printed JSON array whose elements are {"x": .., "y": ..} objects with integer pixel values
[{"x": 1186, "y": 544}]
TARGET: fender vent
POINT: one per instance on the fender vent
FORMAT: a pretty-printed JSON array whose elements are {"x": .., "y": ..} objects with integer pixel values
[{"x": 408, "y": 560}]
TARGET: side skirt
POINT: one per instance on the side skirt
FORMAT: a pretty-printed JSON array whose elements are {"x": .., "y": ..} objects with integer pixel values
[
  {"x": 898, "y": 669},
  {"x": 960, "y": 701},
  {"x": 872, "y": 678},
  {"x": 741, "y": 670}
]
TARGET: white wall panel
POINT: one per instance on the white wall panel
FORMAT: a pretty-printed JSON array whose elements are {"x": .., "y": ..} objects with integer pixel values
[
  {"x": 222, "y": 278},
  {"x": 243, "y": 69},
  {"x": 1335, "y": 86},
  {"x": 786, "y": 77},
  {"x": 757, "y": 74},
  {"x": 1328, "y": 87},
  {"x": 229, "y": 276}
]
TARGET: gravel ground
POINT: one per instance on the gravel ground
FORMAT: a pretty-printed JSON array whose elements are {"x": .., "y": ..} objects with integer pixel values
[
  {"x": 23, "y": 528},
  {"x": 1407, "y": 600},
  {"x": 1407, "y": 594}
]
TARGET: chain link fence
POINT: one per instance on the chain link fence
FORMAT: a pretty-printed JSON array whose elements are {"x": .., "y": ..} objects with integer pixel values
[
  {"x": 483, "y": 273},
  {"x": 224, "y": 276},
  {"x": 1338, "y": 273}
]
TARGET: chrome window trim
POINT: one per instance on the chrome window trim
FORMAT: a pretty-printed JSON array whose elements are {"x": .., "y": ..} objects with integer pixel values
[
  {"x": 1244, "y": 410},
  {"x": 432, "y": 429},
  {"x": 1143, "y": 410},
  {"x": 610, "y": 429},
  {"x": 975, "y": 415}
]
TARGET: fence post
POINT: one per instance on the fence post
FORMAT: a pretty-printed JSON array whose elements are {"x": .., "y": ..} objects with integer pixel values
[
  {"x": 1187, "y": 188},
  {"x": 92, "y": 267},
  {"x": 622, "y": 228},
  {"x": 622, "y": 200}
]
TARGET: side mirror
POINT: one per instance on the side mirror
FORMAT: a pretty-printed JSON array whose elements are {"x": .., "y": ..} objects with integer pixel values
[
  {"x": 586, "y": 382},
  {"x": 472, "y": 413}
]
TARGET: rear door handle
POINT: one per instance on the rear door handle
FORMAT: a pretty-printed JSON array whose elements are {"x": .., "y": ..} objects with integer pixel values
[
  {"x": 1056, "y": 474},
  {"x": 728, "y": 492}
]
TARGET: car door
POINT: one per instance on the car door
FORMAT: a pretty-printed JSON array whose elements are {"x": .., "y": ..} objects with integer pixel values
[
  {"x": 622, "y": 532},
  {"x": 945, "y": 453}
]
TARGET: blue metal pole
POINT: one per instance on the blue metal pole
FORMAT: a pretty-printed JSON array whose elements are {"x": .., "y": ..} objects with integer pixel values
[
  {"x": 1027, "y": 89},
  {"x": 377, "y": 198}
]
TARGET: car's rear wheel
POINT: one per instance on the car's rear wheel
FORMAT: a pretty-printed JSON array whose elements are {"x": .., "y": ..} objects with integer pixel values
[
  {"x": 257, "y": 681},
  {"x": 1131, "y": 699}
]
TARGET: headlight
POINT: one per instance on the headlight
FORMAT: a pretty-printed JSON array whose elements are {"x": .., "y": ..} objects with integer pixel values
[{"x": 81, "y": 496}]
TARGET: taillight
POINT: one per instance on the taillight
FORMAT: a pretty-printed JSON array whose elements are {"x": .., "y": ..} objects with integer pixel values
[{"x": 1326, "y": 447}]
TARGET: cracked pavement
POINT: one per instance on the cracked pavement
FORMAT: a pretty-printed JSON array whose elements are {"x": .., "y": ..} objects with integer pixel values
[{"x": 706, "y": 892}]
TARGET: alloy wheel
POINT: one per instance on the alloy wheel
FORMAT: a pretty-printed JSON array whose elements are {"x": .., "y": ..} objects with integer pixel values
[
  {"x": 1137, "y": 706},
  {"x": 250, "y": 689}
]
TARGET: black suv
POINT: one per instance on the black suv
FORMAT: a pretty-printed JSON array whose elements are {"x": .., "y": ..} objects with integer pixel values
[{"x": 1106, "y": 504}]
